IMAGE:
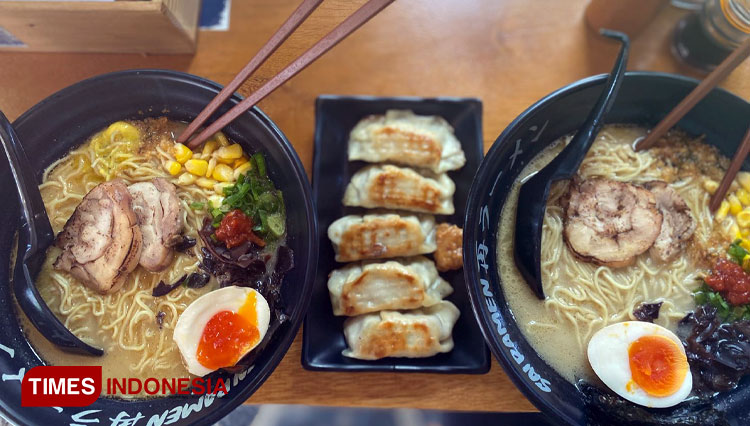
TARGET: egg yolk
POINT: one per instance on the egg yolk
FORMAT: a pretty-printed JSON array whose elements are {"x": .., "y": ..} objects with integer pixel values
[
  {"x": 657, "y": 365},
  {"x": 228, "y": 335}
]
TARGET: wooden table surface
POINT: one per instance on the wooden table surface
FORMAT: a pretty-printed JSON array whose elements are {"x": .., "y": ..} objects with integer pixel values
[{"x": 508, "y": 53}]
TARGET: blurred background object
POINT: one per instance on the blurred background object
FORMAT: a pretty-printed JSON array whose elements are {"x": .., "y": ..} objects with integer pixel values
[
  {"x": 299, "y": 415},
  {"x": 137, "y": 26},
  {"x": 688, "y": 4},
  {"x": 627, "y": 16},
  {"x": 705, "y": 38}
]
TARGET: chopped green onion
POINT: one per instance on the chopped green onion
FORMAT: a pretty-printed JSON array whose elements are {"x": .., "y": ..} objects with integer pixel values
[
  {"x": 260, "y": 162},
  {"x": 195, "y": 205},
  {"x": 736, "y": 252}
]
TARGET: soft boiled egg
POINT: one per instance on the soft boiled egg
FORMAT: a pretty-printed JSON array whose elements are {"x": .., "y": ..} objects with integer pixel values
[
  {"x": 642, "y": 362},
  {"x": 221, "y": 327}
]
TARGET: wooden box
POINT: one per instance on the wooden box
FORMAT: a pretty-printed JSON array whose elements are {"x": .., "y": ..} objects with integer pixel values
[{"x": 143, "y": 26}]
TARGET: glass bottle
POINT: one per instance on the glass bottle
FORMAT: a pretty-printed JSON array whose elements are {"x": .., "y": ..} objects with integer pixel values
[{"x": 704, "y": 39}]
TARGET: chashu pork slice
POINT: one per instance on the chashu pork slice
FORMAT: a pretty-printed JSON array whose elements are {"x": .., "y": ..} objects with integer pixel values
[
  {"x": 678, "y": 225},
  {"x": 608, "y": 222},
  {"x": 159, "y": 215},
  {"x": 101, "y": 241}
]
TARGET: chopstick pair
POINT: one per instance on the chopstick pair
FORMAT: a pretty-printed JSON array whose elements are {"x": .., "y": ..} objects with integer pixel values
[
  {"x": 343, "y": 30},
  {"x": 712, "y": 80}
]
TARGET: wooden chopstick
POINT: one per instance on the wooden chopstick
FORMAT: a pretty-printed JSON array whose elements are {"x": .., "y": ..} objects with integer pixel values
[
  {"x": 349, "y": 25},
  {"x": 734, "y": 167},
  {"x": 712, "y": 80},
  {"x": 285, "y": 30}
]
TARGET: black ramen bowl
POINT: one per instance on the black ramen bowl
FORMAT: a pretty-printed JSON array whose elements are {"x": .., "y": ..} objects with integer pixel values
[
  {"x": 644, "y": 98},
  {"x": 68, "y": 118}
]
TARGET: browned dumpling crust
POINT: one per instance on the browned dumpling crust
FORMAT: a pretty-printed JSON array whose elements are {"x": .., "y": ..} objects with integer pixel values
[
  {"x": 382, "y": 236},
  {"x": 402, "y": 137},
  {"x": 412, "y": 334},
  {"x": 360, "y": 288},
  {"x": 392, "y": 187},
  {"x": 449, "y": 254}
]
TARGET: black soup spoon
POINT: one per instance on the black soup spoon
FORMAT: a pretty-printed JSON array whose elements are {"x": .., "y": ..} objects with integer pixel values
[
  {"x": 532, "y": 199},
  {"x": 34, "y": 237}
]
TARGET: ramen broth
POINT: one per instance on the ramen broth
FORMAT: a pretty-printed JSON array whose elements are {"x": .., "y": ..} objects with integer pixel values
[
  {"x": 582, "y": 297},
  {"x": 133, "y": 327}
]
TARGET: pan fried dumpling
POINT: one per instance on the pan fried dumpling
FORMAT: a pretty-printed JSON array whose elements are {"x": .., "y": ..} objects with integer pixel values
[
  {"x": 402, "y": 188},
  {"x": 382, "y": 236},
  {"x": 359, "y": 288},
  {"x": 424, "y": 141},
  {"x": 412, "y": 334}
]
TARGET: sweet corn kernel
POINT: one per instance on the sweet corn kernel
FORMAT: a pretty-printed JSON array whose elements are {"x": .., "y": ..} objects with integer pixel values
[
  {"x": 186, "y": 179},
  {"x": 223, "y": 173},
  {"x": 229, "y": 153},
  {"x": 205, "y": 182},
  {"x": 746, "y": 263},
  {"x": 240, "y": 161},
  {"x": 182, "y": 153},
  {"x": 721, "y": 213},
  {"x": 745, "y": 244},
  {"x": 215, "y": 201},
  {"x": 242, "y": 169},
  {"x": 219, "y": 187},
  {"x": 743, "y": 218},
  {"x": 734, "y": 204},
  {"x": 209, "y": 147},
  {"x": 121, "y": 130},
  {"x": 744, "y": 180},
  {"x": 744, "y": 196},
  {"x": 211, "y": 166},
  {"x": 196, "y": 167},
  {"x": 734, "y": 231},
  {"x": 173, "y": 167},
  {"x": 710, "y": 186},
  {"x": 219, "y": 137},
  {"x": 745, "y": 232}
]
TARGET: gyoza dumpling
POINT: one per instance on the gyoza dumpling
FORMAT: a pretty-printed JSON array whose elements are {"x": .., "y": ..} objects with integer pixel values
[
  {"x": 402, "y": 188},
  {"x": 424, "y": 141},
  {"x": 382, "y": 236},
  {"x": 359, "y": 288},
  {"x": 412, "y": 334}
]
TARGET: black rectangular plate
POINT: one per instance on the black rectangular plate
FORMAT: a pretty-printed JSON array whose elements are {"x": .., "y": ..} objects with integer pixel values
[{"x": 323, "y": 339}]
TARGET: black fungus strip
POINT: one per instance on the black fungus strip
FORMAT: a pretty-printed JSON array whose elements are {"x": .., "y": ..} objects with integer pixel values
[
  {"x": 184, "y": 244},
  {"x": 197, "y": 280},
  {"x": 647, "y": 312},
  {"x": 163, "y": 288},
  {"x": 606, "y": 408},
  {"x": 718, "y": 353}
]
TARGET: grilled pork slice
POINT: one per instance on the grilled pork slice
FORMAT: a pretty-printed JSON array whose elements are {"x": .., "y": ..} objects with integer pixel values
[
  {"x": 610, "y": 223},
  {"x": 160, "y": 217},
  {"x": 101, "y": 241},
  {"x": 678, "y": 224}
]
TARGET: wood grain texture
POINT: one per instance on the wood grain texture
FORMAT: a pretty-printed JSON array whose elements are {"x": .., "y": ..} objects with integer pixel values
[{"x": 508, "y": 53}]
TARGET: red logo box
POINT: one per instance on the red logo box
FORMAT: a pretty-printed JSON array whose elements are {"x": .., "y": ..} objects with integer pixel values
[{"x": 57, "y": 386}]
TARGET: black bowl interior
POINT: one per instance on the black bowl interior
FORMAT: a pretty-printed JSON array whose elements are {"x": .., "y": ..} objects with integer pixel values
[
  {"x": 66, "y": 119},
  {"x": 643, "y": 99}
]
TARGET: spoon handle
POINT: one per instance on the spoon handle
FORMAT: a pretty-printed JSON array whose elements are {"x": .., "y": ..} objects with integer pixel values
[
  {"x": 586, "y": 135},
  {"x": 37, "y": 224}
]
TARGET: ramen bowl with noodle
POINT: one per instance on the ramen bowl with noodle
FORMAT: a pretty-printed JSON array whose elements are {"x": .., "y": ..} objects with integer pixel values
[
  {"x": 542, "y": 344},
  {"x": 64, "y": 122}
]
